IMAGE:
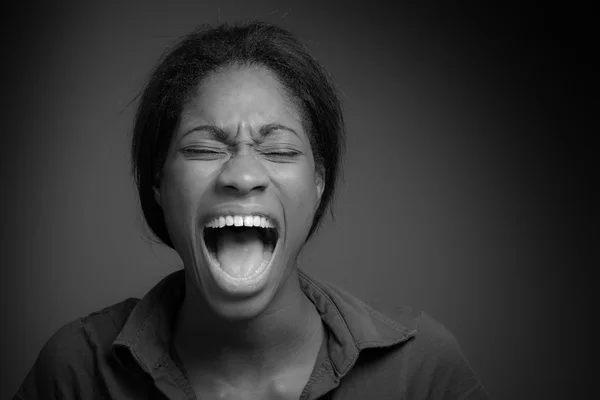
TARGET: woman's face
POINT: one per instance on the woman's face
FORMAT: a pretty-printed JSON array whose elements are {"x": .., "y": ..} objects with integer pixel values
[{"x": 239, "y": 189}]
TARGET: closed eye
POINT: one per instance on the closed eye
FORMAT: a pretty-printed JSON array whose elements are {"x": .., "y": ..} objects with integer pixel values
[
  {"x": 280, "y": 156},
  {"x": 282, "y": 153},
  {"x": 200, "y": 151}
]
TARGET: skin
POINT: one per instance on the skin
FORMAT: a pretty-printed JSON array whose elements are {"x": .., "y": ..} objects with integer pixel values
[{"x": 263, "y": 342}]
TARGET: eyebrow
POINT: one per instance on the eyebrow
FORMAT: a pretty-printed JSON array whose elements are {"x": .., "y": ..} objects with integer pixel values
[
  {"x": 269, "y": 129},
  {"x": 222, "y": 136}
]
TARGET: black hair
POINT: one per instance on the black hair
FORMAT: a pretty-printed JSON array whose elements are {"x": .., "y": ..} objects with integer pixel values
[{"x": 207, "y": 49}]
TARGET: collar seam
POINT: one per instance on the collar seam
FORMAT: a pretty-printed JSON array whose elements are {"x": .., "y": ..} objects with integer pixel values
[
  {"x": 365, "y": 344},
  {"x": 341, "y": 317},
  {"x": 334, "y": 306},
  {"x": 132, "y": 343}
]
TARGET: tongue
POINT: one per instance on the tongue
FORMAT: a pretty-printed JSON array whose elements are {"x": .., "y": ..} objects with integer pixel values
[{"x": 240, "y": 253}]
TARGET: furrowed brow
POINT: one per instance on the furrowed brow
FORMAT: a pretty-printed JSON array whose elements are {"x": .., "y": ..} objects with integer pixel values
[{"x": 214, "y": 131}]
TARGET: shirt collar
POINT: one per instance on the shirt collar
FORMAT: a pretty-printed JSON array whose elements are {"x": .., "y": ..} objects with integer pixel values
[
  {"x": 353, "y": 325},
  {"x": 146, "y": 335}
]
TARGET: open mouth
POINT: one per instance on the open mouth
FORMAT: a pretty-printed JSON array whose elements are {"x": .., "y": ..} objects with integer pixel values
[{"x": 240, "y": 247}]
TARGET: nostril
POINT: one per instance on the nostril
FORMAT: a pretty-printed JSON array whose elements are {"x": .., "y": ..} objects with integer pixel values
[{"x": 244, "y": 188}]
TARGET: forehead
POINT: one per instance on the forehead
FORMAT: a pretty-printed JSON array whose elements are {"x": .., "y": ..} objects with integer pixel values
[{"x": 240, "y": 94}]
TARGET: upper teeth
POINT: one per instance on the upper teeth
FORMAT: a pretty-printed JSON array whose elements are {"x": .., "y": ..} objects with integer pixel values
[{"x": 240, "y": 220}]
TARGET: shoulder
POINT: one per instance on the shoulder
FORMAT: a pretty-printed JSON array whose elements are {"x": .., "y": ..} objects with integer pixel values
[
  {"x": 436, "y": 366},
  {"x": 102, "y": 327},
  {"x": 434, "y": 339},
  {"x": 67, "y": 360},
  {"x": 96, "y": 330},
  {"x": 78, "y": 337},
  {"x": 431, "y": 339}
]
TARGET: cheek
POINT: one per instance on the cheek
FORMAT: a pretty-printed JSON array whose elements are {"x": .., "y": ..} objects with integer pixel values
[
  {"x": 300, "y": 190},
  {"x": 181, "y": 190}
]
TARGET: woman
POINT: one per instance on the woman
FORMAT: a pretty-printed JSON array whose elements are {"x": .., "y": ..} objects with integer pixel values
[{"x": 236, "y": 149}]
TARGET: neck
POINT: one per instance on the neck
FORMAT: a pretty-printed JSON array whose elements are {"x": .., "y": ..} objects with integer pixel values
[{"x": 282, "y": 335}]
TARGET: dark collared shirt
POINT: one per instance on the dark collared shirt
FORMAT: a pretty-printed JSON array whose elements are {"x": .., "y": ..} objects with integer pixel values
[{"x": 124, "y": 352}]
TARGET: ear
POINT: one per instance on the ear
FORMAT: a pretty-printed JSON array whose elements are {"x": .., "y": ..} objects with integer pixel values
[
  {"x": 157, "y": 195},
  {"x": 319, "y": 183}
]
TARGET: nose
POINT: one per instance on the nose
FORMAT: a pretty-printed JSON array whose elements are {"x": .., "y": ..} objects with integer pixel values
[{"x": 242, "y": 175}]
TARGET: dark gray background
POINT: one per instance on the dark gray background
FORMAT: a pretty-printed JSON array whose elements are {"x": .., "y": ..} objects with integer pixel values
[{"x": 465, "y": 193}]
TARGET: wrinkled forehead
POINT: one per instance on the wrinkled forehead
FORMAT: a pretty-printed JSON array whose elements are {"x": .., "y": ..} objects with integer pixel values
[{"x": 243, "y": 88}]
